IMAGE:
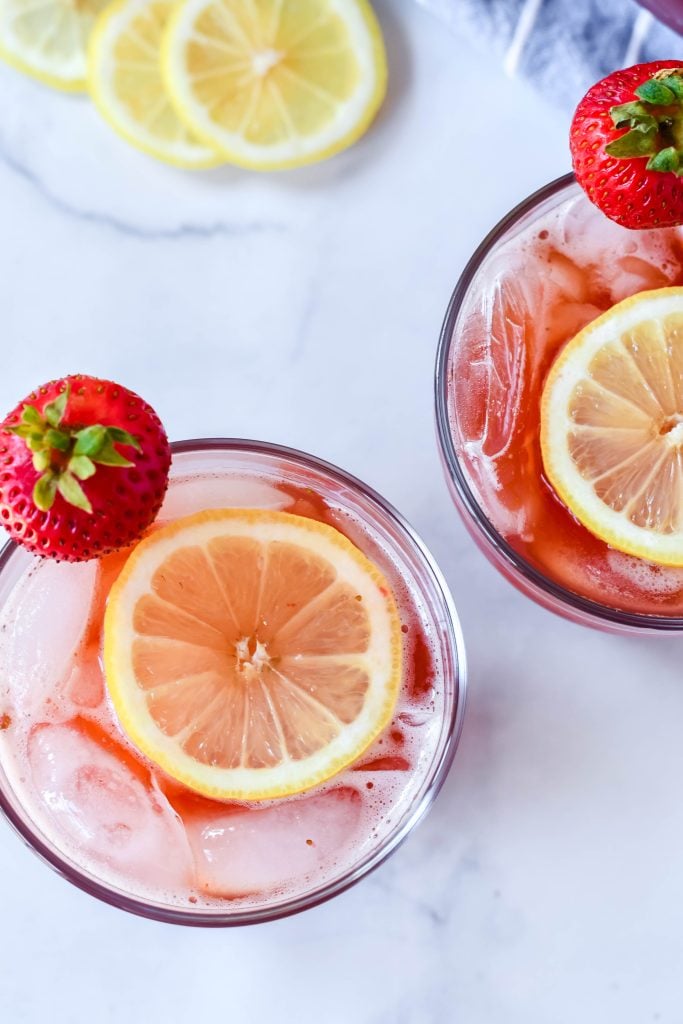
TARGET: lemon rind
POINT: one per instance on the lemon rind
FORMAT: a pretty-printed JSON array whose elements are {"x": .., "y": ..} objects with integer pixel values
[
  {"x": 98, "y": 56},
  {"x": 575, "y": 492},
  {"x": 67, "y": 85},
  {"x": 241, "y": 783},
  {"x": 259, "y": 160}
]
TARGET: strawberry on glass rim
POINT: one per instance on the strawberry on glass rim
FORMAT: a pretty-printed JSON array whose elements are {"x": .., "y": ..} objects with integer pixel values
[
  {"x": 627, "y": 145},
  {"x": 85, "y": 466}
]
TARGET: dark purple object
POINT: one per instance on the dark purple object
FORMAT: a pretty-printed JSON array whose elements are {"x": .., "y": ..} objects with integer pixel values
[{"x": 668, "y": 11}]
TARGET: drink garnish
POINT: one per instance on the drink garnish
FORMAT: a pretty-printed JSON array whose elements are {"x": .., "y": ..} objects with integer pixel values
[
  {"x": 125, "y": 82},
  {"x": 85, "y": 467},
  {"x": 251, "y": 654},
  {"x": 626, "y": 142},
  {"x": 612, "y": 426},
  {"x": 280, "y": 85},
  {"x": 49, "y": 40}
]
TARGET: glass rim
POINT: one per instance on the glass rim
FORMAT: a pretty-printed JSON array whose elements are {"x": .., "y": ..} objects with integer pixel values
[
  {"x": 604, "y": 614},
  {"x": 451, "y": 732}
]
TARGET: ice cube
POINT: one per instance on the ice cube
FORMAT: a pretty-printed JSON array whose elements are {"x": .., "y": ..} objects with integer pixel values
[
  {"x": 41, "y": 627},
  {"x": 189, "y": 495},
  {"x": 85, "y": 684},
  {"x": 635, "y": 274},
  {"x": 507, "y": 333},
  {"x": 568, "y": 319},
  {"x": 610, "y": 255},
  {"x": 242, "y": 851},
  {"x": 568, "y": 278},
  {"x": 105, "y": 807}
]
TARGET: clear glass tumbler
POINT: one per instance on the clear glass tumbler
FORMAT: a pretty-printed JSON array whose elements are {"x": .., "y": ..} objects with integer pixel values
[
  {"x": 218, "y": 473},
  {"x": 548, "y": 268}
]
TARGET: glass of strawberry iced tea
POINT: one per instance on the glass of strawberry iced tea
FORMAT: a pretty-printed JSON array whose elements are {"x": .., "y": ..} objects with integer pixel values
[
  {"x": 243, "y": 638},
  {"x": 551, "y": 267},
  {"x": 559, "y": 381}
]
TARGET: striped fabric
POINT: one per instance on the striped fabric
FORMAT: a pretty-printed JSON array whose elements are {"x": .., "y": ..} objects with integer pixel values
[{"x": 563, "y": 46}]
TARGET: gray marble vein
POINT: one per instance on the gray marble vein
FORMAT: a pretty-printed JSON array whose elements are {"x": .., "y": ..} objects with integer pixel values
[{"x": 112, "y": 223}]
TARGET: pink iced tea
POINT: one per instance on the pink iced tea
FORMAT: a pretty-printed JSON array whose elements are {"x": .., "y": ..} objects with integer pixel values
[
  {"x": 555, "y": 271},
  {"x": 104, "y": 809}
]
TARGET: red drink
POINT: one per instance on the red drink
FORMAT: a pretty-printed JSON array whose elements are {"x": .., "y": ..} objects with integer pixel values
[
  {"x": 85, "y": 797},
  {"x": 549, "y": 269}
]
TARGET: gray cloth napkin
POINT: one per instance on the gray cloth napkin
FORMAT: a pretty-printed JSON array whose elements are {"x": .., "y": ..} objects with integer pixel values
[{"x": 562, "y": 46}]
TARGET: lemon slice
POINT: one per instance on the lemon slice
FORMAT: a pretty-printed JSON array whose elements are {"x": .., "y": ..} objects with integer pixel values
[
  {"x": 251, "y": 654},
  {"x": 276, "y": 83},
  {"x": 612, "y": 426},
  {"x": 48, "y": 38},
  {"x": 124, "y": 76}
]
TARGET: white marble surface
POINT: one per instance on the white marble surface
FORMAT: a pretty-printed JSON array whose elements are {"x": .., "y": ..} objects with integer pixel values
[{"x": 546, "y": 885}]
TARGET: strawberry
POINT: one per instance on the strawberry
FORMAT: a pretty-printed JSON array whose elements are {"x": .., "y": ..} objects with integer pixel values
[
  {"x": 626, "y": 141},
  {"x": 83, "y": 468}
]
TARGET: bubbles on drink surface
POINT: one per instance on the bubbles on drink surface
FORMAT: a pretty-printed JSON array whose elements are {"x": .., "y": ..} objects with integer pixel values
[{"x": 657, "y": 580}]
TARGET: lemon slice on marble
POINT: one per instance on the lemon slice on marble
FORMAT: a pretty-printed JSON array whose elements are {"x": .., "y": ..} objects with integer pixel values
[
  {"x": 124, "y": 76},
  {"x": 612, "y": 426},
  {"x": 48, "y": 38},
  {"x": 276, "y": 83},
  {"x": 251, "y": 654}
]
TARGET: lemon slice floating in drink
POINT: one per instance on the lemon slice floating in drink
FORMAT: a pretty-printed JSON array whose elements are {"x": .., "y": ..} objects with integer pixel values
[
  {"x": 48, "y": 38},
  {"x": 276, "y": 83},
  {"x": 612, "y": 426},
  {"x": 124, "y": 77},
  {"x": 251, "y": 654}
]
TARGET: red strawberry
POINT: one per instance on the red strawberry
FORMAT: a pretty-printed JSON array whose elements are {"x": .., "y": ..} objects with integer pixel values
[
  {"x": 627, "y": 145},
  {"x": 83, "y": 468}
]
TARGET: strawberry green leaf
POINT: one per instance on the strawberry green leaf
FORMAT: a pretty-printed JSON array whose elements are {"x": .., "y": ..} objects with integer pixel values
[
  {"x": 36, "y": 442},
  {"x": 64, "y": 455},
  {"x": 628, "y": 114},
  {"x": 32, "y": 416},
  {"x": 82, "y": 467},
  {"x": 123, "y": 437},
  {"x": 90, "y": 440},
  {"x": 70, "y": 489},
  {"x": 24, "y": 430},
  {"x": 44, "y": 491},
  {"x": 109, "y": 456},
  {"x": 656, "y": 92},
  {"x": 666, "y": 160},
  {"x": 54, "y": 412},
  {"x": 634, "y": 143},
  {"x": 41, "y": 461},
  {"x": 57, "y": 439},
  {"x": 675, "y": 84},
  {"x": 675, "y": 133}
]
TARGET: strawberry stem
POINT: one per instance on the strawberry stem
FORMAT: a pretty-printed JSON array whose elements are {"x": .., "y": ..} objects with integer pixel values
[
  {"x": 64, "y": 455},
  {"x": 655, "y": 123}
]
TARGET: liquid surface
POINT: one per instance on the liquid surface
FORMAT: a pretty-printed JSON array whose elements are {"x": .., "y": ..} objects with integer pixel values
[
  {"x": 112, "y": 812},
  {"x": 532, "y": 295}
]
